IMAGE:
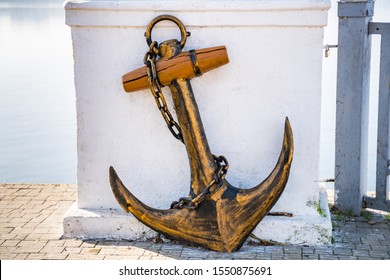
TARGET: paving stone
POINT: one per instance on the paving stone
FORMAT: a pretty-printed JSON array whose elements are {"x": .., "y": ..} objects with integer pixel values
[
  {"x": 89, "y": 244},
  {"x": 143, "y": 244},
  {"x": 385, "y": 232},
  {"x": 73, "y": 250},
  {"x": 51, "y": 236},
  {"x": 165, "y": 258},
  {"x": 40, "y": 230},
  {"x": 150, "y": 253},
  {"x": 171, "y": 255},
  {"x": 247, "y": 256},
  {"x": 35, "y": 256},
  {"x": 194, "y": 253},
  {"x": 384, "y": 225},
  {"x": 72, "y": 243},
  {"x": 10, "y": 243},
  {"x": 364, "y": 258},
  {"x": 52, "y": 249},
  {"x": 375, "y": 236},
  {"x": 292, "y": 250},
  {"x": 30, "y": 225},
  {"x": 9, "y": 236},
  {"x": 26, "y": 243},
  {"x": 342, "y": 251},
  {"x": 365, "y": 230},
  {"x": 277, "y": 256},
  {"x": 110, "y": 257},
  {"x": 39, "y": 219},
  {"x": 310, "y": 256},
  {"x": 21, "y": 256},
  {"x": 55, "y": 243},
  {"x": 355, "y": 240},
  {"x": 137, "y": 251},
  {"x": 123, "y": 243},
  {"x": 31, "y": 228},
  {"x": 90, "y": 251},
  {"x": 257, "y": 249},
  {"x": 328, "y": 257},
  {"x": 292, "y": 256},
  {"x": 76, "y": 257},
  {"x": 385, "y": 242},
  {"x": 171, "y": 247},
  {"x": 363, "y": 225},
  {"x": 263, "y": 256},
  {"x": 307, "y": 250},
  {"x": 33, "y": 237},
  {"x": 360, "y": 253},
  {"x": 345, "y": 245},
  {"x": 370, "y": 241},
  {"x": 379, "y": 254},
  {"x": 363, "y": 247},
  {"x": 8, "y": 256},
  {"x": 54, "y": 256},
  {"x": 274, "y": 249},
  {"x": 379, "y": 248},
  {"x": 354, "y": 234},
  {"x": 327, "y": 251}
]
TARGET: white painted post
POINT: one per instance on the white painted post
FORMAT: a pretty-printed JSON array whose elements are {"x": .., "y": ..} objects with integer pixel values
[
  {"x": 275, "y": 50},
  {"x": 354, "y": 44}
]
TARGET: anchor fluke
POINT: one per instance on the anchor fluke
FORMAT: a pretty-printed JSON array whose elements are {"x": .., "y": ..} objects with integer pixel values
[{"x": 122, "y": 195}]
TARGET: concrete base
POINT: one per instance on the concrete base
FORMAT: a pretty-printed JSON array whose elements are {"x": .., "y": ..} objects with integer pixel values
[
  {"x": 302, "y": 229},
  {"x": 275, "y": 51},
  {"x": 115, "y": 224}
]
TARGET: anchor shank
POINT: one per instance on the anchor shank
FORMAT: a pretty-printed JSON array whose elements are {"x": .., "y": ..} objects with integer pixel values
[{"x": 201, "y": 160}]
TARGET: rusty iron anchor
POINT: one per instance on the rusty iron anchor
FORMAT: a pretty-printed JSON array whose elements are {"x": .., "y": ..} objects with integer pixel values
[{"x": 215, "y": 215}]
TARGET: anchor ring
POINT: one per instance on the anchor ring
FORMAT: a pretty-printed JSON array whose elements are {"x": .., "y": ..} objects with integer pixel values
[{"x": 183, "y": 31}]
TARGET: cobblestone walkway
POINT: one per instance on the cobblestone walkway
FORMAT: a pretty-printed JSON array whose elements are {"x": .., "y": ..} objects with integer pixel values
[{"x": 31, "y": 228}]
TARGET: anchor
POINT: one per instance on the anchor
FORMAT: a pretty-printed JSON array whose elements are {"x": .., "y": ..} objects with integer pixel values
[{"x": 215, "y": 215}]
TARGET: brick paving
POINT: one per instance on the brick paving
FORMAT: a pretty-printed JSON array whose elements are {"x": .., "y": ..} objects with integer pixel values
[{"x": 31, "y": 228}]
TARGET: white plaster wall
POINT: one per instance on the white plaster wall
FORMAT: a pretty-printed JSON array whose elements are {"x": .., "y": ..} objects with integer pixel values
[{"x": 275, "y": 51}]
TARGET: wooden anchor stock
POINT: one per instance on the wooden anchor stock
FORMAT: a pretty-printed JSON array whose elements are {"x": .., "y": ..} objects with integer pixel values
[
  {"x": 221, "y": 216},
  {"x": 177, "y": 67}
]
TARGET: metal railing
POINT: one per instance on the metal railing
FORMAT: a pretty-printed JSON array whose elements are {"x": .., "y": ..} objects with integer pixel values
[{"x": 381, "y": 200}]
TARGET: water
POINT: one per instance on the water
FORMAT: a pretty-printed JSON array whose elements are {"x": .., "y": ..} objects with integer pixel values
[{"x": 37, "y": 96}]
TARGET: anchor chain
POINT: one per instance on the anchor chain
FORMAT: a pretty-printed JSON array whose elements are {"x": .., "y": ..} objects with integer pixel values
[
  {"x": 155, "y": 88},
  {"x": 188, "y": 203}
]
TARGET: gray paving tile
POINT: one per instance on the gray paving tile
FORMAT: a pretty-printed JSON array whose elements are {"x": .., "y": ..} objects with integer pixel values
[{"x": 31, "y": 226}]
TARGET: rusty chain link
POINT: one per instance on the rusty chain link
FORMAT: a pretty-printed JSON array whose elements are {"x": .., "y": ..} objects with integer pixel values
[
  {"x": 174, "y": 128},
  {"x": 155, "y": 88},
  {"x": 188, "y": 203}
]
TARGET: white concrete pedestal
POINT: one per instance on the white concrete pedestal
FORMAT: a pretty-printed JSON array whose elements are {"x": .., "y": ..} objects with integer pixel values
[{"x": 275, "y": 51}]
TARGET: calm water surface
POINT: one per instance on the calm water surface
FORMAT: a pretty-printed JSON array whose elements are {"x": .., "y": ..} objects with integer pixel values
[{"x": 37, "y": 97}]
